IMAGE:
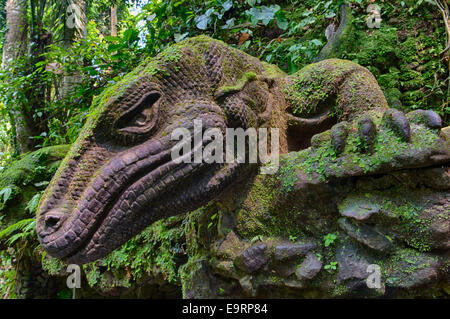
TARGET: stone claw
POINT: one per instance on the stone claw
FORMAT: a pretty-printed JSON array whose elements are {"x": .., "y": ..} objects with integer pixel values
[
  {"x": 396, "y": 121},
  {"x": 367, "y": 132},
  {"x": 426, "y": 117},
  {"x": 339, "y": 133},
  {"x": 393, "y": 120}
]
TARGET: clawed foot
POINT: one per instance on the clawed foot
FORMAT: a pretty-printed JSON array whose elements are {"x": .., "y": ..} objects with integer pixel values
[
  {"x": 378, "y": 143},
  {"x": 393, "y": 120}
]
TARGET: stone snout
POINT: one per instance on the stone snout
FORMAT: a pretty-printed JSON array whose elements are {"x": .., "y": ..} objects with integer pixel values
[{"x": 51, "y": 222}]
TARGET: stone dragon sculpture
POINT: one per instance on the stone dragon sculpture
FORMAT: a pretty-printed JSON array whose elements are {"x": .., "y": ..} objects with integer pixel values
[{"x": 119, "y": 178}]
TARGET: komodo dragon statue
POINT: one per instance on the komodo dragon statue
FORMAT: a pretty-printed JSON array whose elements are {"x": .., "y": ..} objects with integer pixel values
[{"x": 119, "y": 177}]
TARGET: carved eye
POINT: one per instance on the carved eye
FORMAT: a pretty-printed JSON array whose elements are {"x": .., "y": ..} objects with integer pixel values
[{"x": 142, "y": 117}]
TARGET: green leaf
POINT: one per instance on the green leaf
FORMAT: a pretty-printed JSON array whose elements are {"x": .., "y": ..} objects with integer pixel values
[
  {"x": 23, "y": 225},
  {"x": 227, "y": 5},
  {"x": 282, "y": 22},
  {"x": 33, "y": 203},
  {"x": 307, "y": 21},
  {"x": 6, "y": 193},
  {"x": 202, "y": 22},
  {"x": 329, "y": 239},
  {"x": 131, "y": 35},
  {"x": 114, "y": 47},
  {"x": 316, "y": 42},
  {"x": 330, "y": 15},
  {"x": 264, "y": 14},
  {"x": 180, "y": 37},
  {"x": 111, "y": 38},
  {"x": 228, "y": 24},
  {"x": 44, "y": 253}
]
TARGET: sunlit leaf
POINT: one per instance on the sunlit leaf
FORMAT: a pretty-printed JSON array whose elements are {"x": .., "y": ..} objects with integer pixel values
[{"x": 6, "y": 193}]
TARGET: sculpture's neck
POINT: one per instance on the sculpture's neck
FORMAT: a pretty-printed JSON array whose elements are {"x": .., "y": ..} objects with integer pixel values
[{"x": 275, "y": 116}]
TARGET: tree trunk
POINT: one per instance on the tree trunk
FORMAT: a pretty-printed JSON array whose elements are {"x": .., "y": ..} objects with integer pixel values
[
  {"x": 14, "y": 47},
  {"x": 36, "y": 91},
  {"x": 72, "y": 33},
  {"x": 114, "y": 21},
  {"x": 16, "y": 35}
]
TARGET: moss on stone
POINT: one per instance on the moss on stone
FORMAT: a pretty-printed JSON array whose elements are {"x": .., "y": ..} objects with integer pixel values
[
  {"x": 340, "y": 87},
  {"x": 240, "y": 84},
  {"x": 254, "y": 216},
  {"x": 156, "y": 251},
  {"x": 389, "y": 151}
]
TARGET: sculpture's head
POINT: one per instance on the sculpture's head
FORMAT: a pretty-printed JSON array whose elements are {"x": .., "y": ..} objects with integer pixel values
[{"x": 120, "y": 177}]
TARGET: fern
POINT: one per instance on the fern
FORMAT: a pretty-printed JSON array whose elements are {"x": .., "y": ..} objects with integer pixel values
[
  {"x": 6, "y": 193},
  {"x": 33, "y": 203},
  {"x": 20, "y": 230}
]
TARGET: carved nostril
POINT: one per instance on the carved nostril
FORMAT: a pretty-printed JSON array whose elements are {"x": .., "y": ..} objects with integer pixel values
[{"x": 52, "y": 221}]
